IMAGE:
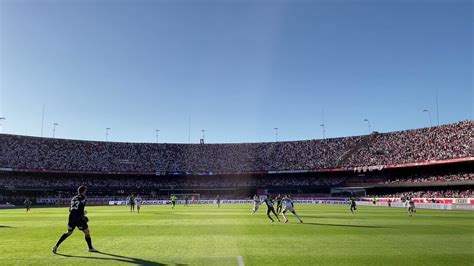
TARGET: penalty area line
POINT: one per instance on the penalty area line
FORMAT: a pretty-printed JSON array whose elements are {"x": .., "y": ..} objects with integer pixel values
[{"x": 240, "y": 260}]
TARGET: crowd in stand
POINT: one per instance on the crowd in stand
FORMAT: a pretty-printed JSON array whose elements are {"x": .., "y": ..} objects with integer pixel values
[
  {"x": 436, "y": 143},
  {"x": 165, "y": 182},
  {"x": 429, "y": 194},
  {"x": 211, "y": 181},
  {"x": 432, "y": 179}
]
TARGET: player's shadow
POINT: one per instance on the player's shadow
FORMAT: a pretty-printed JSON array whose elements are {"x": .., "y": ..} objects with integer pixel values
[
  {"x": 347, "y": 225},
  {"x": 349, "y": 217},
  {"x": 117, "y": 258},
  {"x": 6, "y": 226}
]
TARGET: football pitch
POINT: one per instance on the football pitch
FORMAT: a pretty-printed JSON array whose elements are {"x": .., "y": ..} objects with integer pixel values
[{"x": 230, "y": 235}]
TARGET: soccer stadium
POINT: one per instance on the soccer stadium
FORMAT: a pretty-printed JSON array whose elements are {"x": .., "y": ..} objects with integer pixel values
[
  {"x": 319, "y": 175},
  {"x": 241, "y": 133}
]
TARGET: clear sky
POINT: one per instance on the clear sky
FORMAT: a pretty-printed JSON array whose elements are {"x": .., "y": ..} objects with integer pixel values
[{"x": 240, "y": 68}]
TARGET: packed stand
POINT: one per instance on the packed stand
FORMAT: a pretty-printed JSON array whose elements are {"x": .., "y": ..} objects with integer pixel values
[
  {"x": 418, "y": 145},
  {"x": 11, "y": 182},
  {"x": 436, "y": 143},
  {"x": 432, "y": 179},
  {"x": 33, "y": 153},
  {"x": 428, "y": 194}
]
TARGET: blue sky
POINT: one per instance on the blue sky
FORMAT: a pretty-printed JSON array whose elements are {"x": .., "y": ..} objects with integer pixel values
[{"x": 240, "y": 68}]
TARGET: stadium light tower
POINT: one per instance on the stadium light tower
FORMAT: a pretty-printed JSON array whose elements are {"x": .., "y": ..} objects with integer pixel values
[
  {"x": 42, "y": 122},
  {"x": 368, "y": 124},
  {"x": 276, "y": 133},
  {"x": 437, "y": 107},
  {"x": 54, "y": 128},
  {"x": 157, "y": 131},
  {"x": 203, "y": 130},
  {"x": 429, "y": 115},
  {"x": 107, "y": 133},
  {"x": 324, "y": 130},
  {"x": 1, "y": 119}
]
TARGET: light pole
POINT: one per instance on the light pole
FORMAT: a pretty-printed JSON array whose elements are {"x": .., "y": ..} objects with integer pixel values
[
  {"x": 429, "y": 115},
  {"x": 276, "y": 134},
  {"x": 324, "y": 130},
  {"x": 189, "y": 128},
  {"x": 54, "y": 128},
  {"x": 203, "y": 130},
  {"x": 107, "y": 133},
  {"x": 437, "y": 108},
  {"x": 42, "y": 122},
  {"x": 157, "y": 131},
  {"x": 368, "y": 124},
  {"x": 1, "y": 119}
]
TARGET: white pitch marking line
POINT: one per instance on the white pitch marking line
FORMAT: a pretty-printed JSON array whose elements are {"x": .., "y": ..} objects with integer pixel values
[{"x": 240, "y": 260}]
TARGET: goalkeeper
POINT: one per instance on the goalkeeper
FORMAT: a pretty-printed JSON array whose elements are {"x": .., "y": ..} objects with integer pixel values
[{"x": 77, "y": 218}]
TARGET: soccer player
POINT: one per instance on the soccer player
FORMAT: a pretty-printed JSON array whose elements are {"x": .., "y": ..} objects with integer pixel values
[
  {"x": 27, "y": 203},
  {"x": 131, "y": 202},
  {"x": 289, "y": 206},
  {"x": 389, "y": 202},
  {"x": 411, "y": 207},
  {"x": 186, "y": 199},
  {"x": 279, "y": 203},
  {"x": 256, "y": 204},
  {"x": 218, "y": 200},
  {"x": 173, "y": 201},
  {"x": 353, "y": 205},
  {"x": 138, "y": 202},
  {"x": 77, "y": 218},
  {"x": 269, "y": 202}
]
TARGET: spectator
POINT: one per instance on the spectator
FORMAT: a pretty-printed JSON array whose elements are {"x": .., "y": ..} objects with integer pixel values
[{"x": 419, "y": 145}]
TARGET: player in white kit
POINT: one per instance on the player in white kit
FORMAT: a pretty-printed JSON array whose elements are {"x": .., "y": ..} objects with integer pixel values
[
  {"x": 138, "y": 203},
  {"x": 256, "y": 204},
  {"x": 411, "y": 207},
  {"x": 289, "y": 206}
]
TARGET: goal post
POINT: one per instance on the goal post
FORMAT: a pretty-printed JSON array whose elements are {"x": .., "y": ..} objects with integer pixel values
[{"x": 191, "y": 197}]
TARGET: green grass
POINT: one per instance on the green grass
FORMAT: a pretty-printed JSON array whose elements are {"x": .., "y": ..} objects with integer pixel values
[{"x": 206, "y": 235}]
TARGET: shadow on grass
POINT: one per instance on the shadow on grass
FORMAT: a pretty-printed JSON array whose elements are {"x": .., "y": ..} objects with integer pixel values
[
  {"x": 118, "y": 258},
  {"x": 348, "y": 225},
  {"x": 337, "y": 217},
  {"x": 6, "y": 226}
]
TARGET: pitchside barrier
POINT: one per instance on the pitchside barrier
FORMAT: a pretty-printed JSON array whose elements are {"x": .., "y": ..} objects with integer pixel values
[
  {"x": 432, "y": 206},
  {"x": 462, "y": 207},
  {"x": 164, "y": 202},
  {"x": 426, "y": 200}
]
